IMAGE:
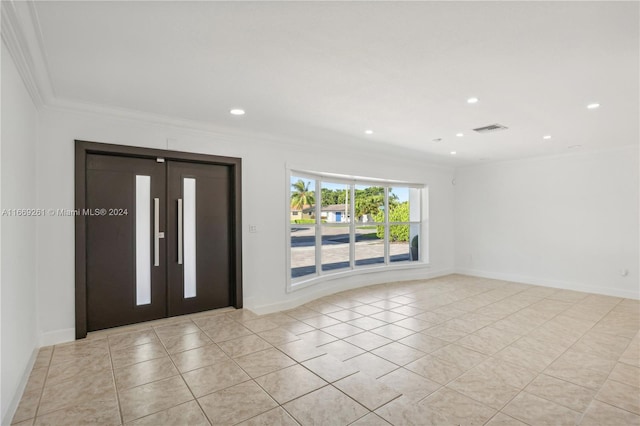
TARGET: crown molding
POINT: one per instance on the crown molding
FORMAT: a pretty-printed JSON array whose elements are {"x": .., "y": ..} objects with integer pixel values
[
  {"x": 41, "y": 70},
  {"x": 236, "y": 135},
  {"x": 555, "y": 156},
  {"x": 20, "y": 30},
  {"x": 13, "y": 37},
  {"x": 185, "y": 125}
]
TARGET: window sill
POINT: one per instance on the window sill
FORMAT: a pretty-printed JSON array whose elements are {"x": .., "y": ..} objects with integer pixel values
[{"x": 298, "y": 285}]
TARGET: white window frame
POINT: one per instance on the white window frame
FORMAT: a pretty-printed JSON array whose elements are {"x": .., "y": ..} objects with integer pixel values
[{"x": 320, "y": 276}]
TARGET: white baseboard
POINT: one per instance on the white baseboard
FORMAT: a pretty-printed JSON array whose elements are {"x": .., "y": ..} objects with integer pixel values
[
  {"x": 546, "y": 282},
  {"x": 17, "y": 396},
  {"x": 299, "y": 298},
  {"x": 57, "y": 336}
]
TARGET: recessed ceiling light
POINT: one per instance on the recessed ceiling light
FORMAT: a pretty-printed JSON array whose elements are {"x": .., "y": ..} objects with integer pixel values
[
  {"x": 459, "y": 135},
  {"x": 574, "y": 146},
  {"x": 593, "y": 105},
  {"x": 237, "y": 111},
  {"x": 472, "y": 100},
  {"x": 368, "y": 132},
  {"x": 453, "y": 153},
  {"x": 546, "y": 137}
]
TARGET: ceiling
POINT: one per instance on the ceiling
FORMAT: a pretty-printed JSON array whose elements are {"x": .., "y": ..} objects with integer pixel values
[{"x": 328, "y": 71}]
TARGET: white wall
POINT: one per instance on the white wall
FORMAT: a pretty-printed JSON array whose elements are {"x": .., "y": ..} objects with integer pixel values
[
  {"x": 19, "y": 331},
  {"x": 264, "y": 205},
  {"x": 567, "y": 221}
]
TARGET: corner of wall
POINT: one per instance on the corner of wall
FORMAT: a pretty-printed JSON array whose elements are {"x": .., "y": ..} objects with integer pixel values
[
  {"x": 19, "y": 287},
  {"x": 10, "y": 409}
]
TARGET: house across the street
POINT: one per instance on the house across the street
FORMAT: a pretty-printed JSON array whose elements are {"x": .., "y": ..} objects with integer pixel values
[{"x": 335, "y": 213}]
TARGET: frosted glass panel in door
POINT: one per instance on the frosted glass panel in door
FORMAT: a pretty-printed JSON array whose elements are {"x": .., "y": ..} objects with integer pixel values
[
  {"x": 189, "y": 235},
  {"x": 143, "y": 240}
]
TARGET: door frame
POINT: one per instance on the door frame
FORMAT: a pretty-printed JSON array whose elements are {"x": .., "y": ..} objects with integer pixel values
[{"x": 82, "y": 149}]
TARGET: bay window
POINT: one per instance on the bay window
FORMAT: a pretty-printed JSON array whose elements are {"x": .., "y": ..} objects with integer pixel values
[{"x": 342, "y": 225}]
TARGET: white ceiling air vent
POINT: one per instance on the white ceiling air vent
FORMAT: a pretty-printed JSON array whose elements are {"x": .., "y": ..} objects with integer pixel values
[{"x": 490, "y": 128}]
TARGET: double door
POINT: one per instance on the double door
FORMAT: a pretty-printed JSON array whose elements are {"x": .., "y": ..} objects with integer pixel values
[{"x": 160, "y": 238}]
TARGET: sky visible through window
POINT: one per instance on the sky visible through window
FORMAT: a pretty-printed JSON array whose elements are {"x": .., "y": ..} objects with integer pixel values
[{"x": 401, "y": 192}]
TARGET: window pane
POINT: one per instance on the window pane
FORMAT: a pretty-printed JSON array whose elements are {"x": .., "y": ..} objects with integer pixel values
[
  {"x": 415, "y": 205},
  {"x": 369, "y": 203},
  {"x": 303, "y": 251},
  {"x": 303, "y": 200},
  {"x": 414, "y": 241},
  {"x": 404, "y": 204},
  {"x": 336, "y": 201},
  {"x": 369, "y": 245},
  {"x": 404, "y": 243},
  {"x": 335, "y": 248}
]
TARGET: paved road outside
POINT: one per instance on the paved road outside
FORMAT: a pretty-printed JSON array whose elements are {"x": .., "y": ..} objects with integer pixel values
[{"x": 335, "y": 250}]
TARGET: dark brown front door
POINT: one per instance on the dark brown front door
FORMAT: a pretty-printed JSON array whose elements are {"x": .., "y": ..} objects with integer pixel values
[
  {"x": 200, "y": 241},
  {"x": 160, "y": 238},
  {"x": 112, "y": 280}
]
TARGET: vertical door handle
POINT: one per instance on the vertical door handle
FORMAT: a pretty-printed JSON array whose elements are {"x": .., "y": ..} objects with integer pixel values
[
  {"x": 179, "y": 231},
  {"x": 156, "y": 232}
]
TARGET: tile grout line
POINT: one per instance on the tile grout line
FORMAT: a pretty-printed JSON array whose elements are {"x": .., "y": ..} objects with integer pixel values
[{"x": 115, "y": 385}]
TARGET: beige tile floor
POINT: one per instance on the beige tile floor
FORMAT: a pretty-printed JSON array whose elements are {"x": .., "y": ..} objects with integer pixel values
[{"x": 447, "y": 351}]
